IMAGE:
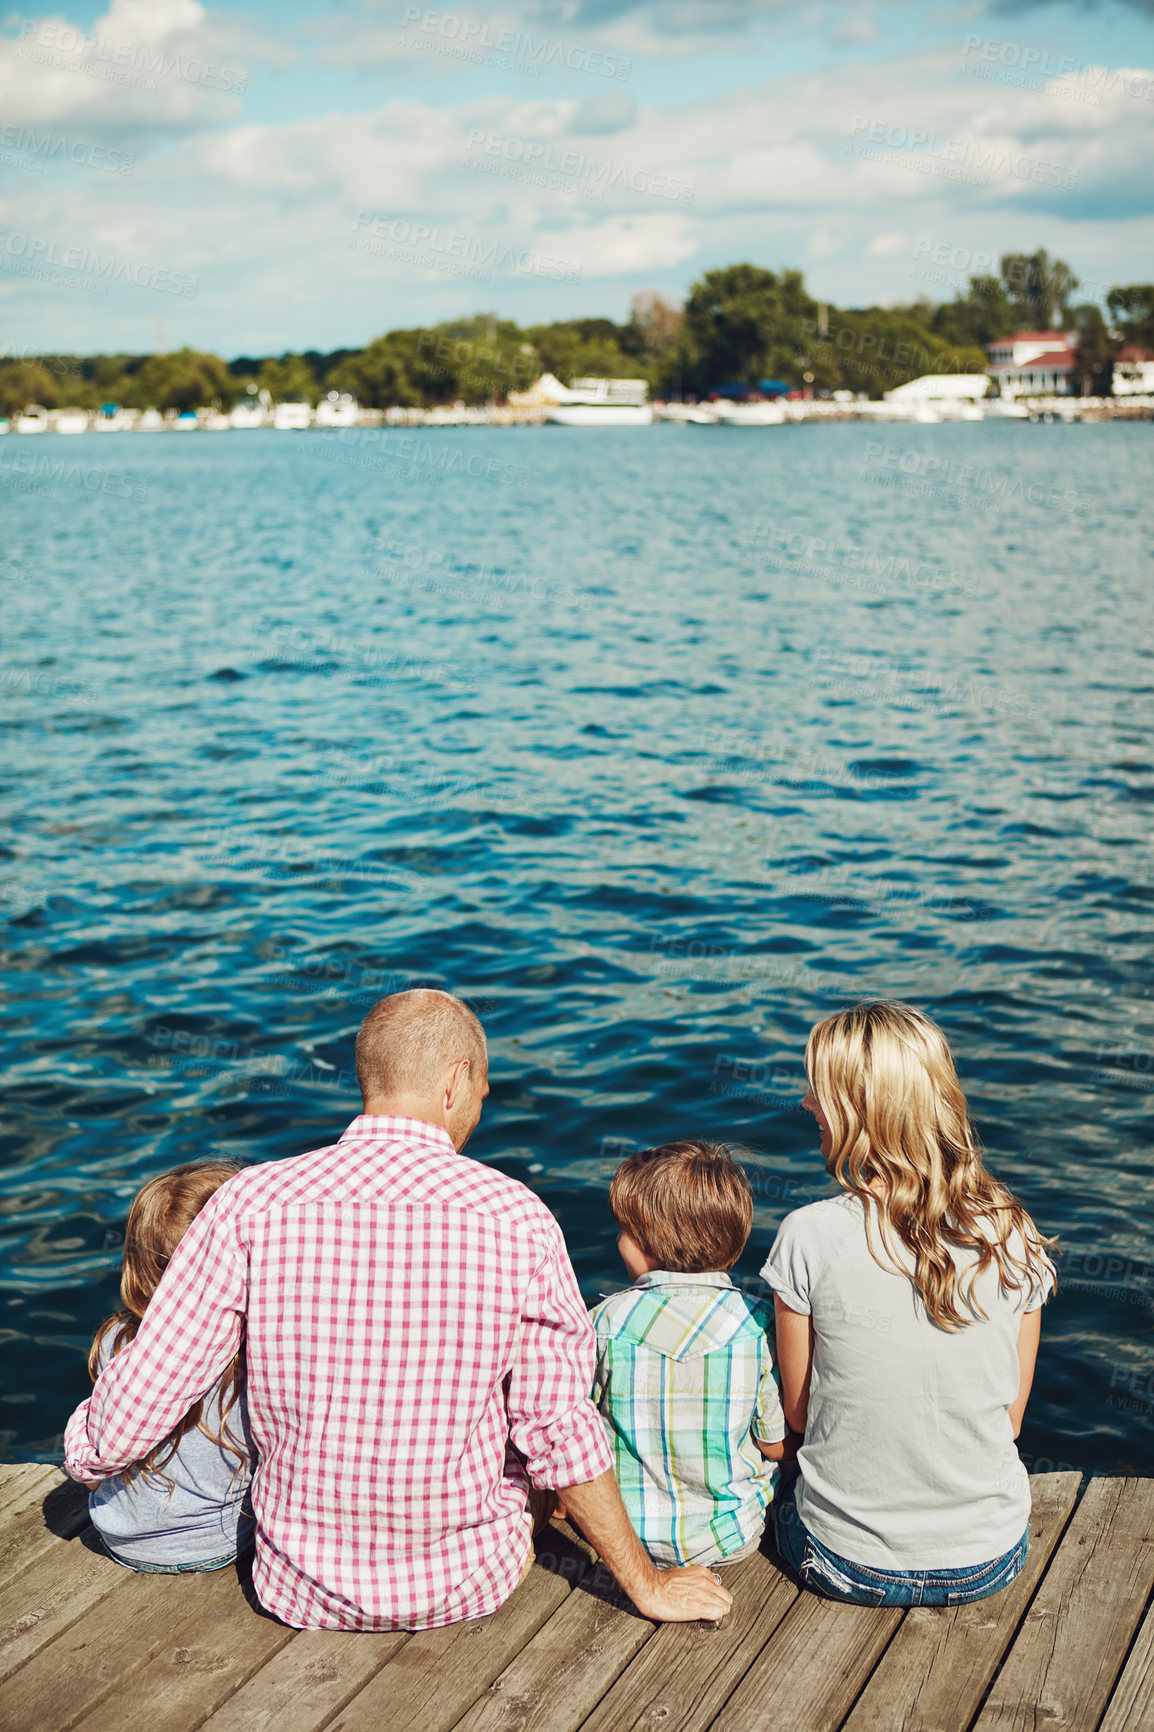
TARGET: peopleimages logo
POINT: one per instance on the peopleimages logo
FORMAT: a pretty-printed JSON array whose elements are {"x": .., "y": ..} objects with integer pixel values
[
  {"x": 51, "y": 42},
  {"x": 472, "y": 39},
  {"x": 54, "y": 149},
  {"x": 521, "y": 157},
  {"x": 454, "y": 251},
  {"x": 32, "y": 255},
  {"x": 1037, "y": 69},
  {"x": 953, "y": 158}
]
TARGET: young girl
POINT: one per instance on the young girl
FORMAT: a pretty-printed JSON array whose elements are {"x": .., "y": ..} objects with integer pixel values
[
  {"x": 908, "y": 1314},
  {"x": 183, "y": 1507}
]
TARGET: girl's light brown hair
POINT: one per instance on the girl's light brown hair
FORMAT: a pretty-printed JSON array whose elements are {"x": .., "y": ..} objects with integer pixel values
[
  {"x": 161, "y": 1214},
  {"x": 900, "y": 1132},
  {"x": 687, "y": 1205}
]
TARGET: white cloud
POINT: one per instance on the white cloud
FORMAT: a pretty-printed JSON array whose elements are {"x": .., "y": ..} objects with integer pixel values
[
  {"x": 823, "y": 245},
  {"x": 264, "y": 213},
  {"x": 145, "y": 69},
  {"x": 889, "y": 245},
  {"x": 624, "y": 245}
]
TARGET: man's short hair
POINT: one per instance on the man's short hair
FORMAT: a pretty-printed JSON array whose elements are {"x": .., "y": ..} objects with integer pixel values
[
  {"x": 409, "y": 1040},
  {"x": 687, "y": 1205}
]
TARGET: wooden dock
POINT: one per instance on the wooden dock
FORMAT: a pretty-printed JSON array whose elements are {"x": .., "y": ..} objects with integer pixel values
[{"x": 1070, "y": 1645}]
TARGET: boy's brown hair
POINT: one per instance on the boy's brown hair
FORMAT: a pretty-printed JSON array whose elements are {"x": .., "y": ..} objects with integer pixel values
[{"x": 687, "y": 1205}]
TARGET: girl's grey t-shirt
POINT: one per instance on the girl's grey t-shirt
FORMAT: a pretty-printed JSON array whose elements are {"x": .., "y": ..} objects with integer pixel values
[
  {"x": 198, "y": 1519},
  {"x": 909, "y": 1462}
]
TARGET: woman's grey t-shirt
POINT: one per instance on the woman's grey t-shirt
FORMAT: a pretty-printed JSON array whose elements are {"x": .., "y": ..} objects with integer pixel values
[
  {"x": 909, "y": 1462},
  {"x": 197, "y": 1519}
]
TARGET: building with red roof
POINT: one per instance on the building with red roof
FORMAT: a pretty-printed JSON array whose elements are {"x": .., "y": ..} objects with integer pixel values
[{"x": 1034, "y": 363}]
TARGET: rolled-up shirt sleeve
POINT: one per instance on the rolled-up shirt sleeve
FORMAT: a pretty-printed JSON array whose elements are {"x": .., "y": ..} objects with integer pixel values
[
  {"x": 787, "y": 1267},
  {"x": 190, "y": 1332},
  {"x": 552, "y": 1420}
]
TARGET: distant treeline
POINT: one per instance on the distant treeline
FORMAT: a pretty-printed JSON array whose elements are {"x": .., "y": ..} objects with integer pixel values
[{"x": 742, "y": 326}]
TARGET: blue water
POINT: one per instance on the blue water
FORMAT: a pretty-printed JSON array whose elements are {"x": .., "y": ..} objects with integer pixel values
[{"x": 585, "y": 727}]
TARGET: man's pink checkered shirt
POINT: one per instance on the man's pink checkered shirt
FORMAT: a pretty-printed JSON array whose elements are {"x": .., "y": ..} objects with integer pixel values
[{"x": 407, "y": 1312}]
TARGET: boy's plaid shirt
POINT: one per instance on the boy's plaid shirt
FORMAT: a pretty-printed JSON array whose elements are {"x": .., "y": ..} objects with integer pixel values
[{"x": 685, "y": 1381}]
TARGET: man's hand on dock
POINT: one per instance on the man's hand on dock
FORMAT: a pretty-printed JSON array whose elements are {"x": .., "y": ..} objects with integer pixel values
[
  {"x": 679, "y": 1596},
  {"x": 666, "y": 1596}
]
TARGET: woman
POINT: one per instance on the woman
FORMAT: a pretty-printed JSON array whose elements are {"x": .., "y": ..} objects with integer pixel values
[{"x": 908, "y": 1315}]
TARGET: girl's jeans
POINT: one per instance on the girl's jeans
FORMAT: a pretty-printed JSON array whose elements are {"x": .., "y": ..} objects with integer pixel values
[{"x": 838, "y": 1579}]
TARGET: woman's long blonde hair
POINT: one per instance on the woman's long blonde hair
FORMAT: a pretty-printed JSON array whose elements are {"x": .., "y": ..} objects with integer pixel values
[
  {"x": 900, "y": 1132},
  {"x": 161, "y": 1214}
]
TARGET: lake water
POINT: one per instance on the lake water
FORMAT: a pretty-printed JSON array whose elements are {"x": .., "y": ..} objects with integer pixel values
[{"x": 656, "y": 745}]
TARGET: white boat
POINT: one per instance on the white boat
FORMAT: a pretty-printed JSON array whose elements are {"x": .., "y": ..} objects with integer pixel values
[
  {"x": 152, "y": 421},
  {"x": 34, "y": 419},
  {"x": 337, "y": 409},
  {"x": 247, "y": 415},
  {"x": 69, "y": 420},
  {"x": 686, "y": 414},
  {"x": 292, "y": 417},
  {"x": 1005, "y": 409},
  {"x": 603, "y": 403},
  {"x": 749, "y": 414}
]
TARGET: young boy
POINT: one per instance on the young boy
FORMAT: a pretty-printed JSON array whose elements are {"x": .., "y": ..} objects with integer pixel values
[{"x": 685, "y": 1380}]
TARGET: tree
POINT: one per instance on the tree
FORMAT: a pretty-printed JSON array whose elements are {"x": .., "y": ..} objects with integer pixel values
[
  {"x": 879, "y": 348},
  {"x": 183, "y": 380},
  {"x": 376, "y": 377},
  {"x": 1032, "y": 292},
  {"x": 654, "y": 322},
  {"x": 1095, "y": 359},
  {"x": 25, "y": 382},
  {"x": 982, "y": 315},
  {"x": 1039, "y": 288},
  {"x": 744, "y": 324},
  {"x": 582, "y": 349},
  {"x": 1132, "y": 310},
  {"x": 474, "y": 360},
  {"x": 289, "y": 380}
]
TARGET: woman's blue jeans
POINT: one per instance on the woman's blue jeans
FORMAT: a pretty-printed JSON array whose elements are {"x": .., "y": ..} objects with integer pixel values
[{"x": 861, "y": 1585}]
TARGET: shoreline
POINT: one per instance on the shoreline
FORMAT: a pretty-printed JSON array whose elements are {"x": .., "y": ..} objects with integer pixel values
[{"x": 68, "y": 422}]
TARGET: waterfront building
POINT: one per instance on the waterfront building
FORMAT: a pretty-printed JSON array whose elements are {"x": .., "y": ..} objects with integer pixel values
[
  {"x": 1034, "y": 363},
  {"x": 1133, "y": 372}
]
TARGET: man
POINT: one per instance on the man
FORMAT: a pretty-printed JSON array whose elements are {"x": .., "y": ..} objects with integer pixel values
[{"x": 407, "y": 1315}]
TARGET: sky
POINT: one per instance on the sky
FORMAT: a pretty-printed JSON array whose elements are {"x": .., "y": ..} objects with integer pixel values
[{"x": 291, "y": 174}]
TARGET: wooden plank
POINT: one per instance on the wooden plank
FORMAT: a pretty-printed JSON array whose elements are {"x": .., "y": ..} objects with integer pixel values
[
  {"x": 45, "y": 1600},
  {"x": 1132, "y": 1704},
  {"x": 46, "y": 1513},
  {"x": 685, "y": 1673},
  {"x": 813, "y": 1668},
  {"x": 19, "y": 1478},
  {"x": 439, "y": 1674},
  {"x": 44, "y": 1489},
  {"x": 1069, "y": 1651},
  {"x": 307, "y": 1682},
  {"x": 936, "y": 1670},
  {"x": 118, "y": 1636},
  {"x": 190, "y": 1678},
  {"x": 561, "y": 1675}
]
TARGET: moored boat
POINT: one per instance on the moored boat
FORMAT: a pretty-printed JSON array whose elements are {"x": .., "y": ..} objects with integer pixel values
[
  {"x": 292, "y": 417},
  {"x": 33, "y": 419},
  {"x": 749, "y": 414},
  {"x": 603, "y": 403}
]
